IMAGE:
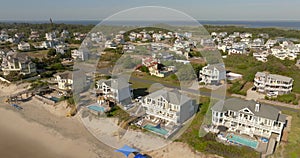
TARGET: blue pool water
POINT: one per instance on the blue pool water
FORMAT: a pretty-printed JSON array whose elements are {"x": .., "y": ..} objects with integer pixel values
[
  {"x": 97, "y": 108},
  {"x": 54, "y": 99},
  {"x": 242, "y": 141},
  {"x": 156, "y": 130}
]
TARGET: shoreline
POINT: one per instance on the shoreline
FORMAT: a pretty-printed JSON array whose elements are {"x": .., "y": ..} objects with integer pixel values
[{"x": 46, "y": 135}]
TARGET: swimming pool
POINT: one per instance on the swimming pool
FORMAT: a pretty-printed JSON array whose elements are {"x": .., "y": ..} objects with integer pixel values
[
  {"x": 97, "y": 108},
  {"x": 54, "y": 99},
  {"x": 242, "y": 141},
  {"x": 156, "y": 130}
]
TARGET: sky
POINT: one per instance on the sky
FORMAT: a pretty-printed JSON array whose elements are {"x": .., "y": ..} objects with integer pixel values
[{"x": 101, "y": 9}]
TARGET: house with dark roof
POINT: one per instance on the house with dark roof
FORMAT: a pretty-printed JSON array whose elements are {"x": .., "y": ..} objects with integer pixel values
[
  {"x": 249, "y": 117},
  {"x": 17, "y": 62},
  {"x": 212, "y": 74},
  {"x": 169, "y": 106}
]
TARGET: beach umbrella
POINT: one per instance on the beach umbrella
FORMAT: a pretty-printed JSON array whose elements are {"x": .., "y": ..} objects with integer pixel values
[{"x": 126, "y": 150}]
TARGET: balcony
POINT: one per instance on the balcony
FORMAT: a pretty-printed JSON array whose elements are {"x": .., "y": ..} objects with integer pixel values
[
  {"x": 279, "y": 84},
  {"x": 278, "y": 89},
  {"x": 259, "y": 81}
]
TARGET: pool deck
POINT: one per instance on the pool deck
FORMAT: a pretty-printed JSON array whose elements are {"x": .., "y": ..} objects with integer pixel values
[{"x": 261, "y": 146}]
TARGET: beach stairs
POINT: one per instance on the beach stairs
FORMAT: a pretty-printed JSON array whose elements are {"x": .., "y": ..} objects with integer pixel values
[
  {"x": 124, "y": 124},
  {"x": 271, "y": 145},
  {"x": 139, "y": 112}
]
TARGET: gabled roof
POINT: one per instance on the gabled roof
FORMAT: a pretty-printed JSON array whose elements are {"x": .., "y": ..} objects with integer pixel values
[
  {"x": 274, "y": 76},
  {"x": 219, "y": 67},
  {"x": 172, "y": 96},
  {"x": 235, "y": 104},
  {"x": 118, "y": 83},
  {"x": 65, "y": 75}
]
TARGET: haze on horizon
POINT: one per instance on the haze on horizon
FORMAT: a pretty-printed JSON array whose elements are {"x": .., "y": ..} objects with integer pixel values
[{"x": 201, "y": 10}]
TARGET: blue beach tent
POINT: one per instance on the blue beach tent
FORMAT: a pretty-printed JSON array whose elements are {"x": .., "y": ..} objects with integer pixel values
[{"x": 126, "y": 150}]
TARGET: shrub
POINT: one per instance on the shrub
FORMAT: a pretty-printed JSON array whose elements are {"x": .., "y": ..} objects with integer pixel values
[{"x": 287, "y": 98}]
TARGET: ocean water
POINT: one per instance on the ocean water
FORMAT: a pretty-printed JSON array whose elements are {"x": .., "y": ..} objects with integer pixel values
[{"x": 250, "y": 24}]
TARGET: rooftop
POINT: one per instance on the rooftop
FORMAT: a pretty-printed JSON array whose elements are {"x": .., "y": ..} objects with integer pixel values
[
  {"x": 235, "y": 104},
  {"x": 273, "y": 76},
  {"x": 172, "y": 96}
]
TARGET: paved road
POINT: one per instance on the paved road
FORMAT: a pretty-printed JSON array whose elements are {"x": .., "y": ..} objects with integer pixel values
[{"x": 189, "y": 91}]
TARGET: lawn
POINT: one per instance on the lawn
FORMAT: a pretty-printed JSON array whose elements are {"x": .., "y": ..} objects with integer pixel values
[
  {"x": 248, "y": 66},
  {"x": 37, "y": 54},
  {"x": 166, "y": 80},
  {"x": 291, "y": 148}
]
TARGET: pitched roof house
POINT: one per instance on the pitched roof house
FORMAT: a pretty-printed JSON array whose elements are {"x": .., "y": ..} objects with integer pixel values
[
  {"x": 169, "y": 105},
  {"x": 249, "y": 117}
]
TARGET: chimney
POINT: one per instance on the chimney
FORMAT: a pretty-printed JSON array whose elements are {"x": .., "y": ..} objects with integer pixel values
[{"x": 257, "y": 107}]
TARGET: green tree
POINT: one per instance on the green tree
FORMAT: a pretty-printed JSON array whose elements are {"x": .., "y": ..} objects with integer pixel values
[
  {"x": 51, "y": 52},
  {"x": 144, "y": 69},
  {"x": 197, "y": 68}
]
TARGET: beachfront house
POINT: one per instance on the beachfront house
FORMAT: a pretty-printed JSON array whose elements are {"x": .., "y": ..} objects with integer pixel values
[
  {"x": 250, "y": 118},
  {"x": 115, "y": 89},
  {"x": 17, "y": 62},
  {"x": 169, "y": 106},
  {"x": 272, "y": 83},
  {"x": 64, "y": 80},
  {"x": 212, "y": 74}
]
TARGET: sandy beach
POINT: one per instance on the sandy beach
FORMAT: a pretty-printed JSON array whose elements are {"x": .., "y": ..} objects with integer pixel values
[
  {"x": 25, "y": 137},
  {"x": 41, "y": 130}
]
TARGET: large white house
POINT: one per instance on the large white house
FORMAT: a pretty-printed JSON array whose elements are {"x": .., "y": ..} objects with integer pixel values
[
  {"x": 169, "y": 105},
  {"x": 212, "y": 74},
  {"x": 64, "y": 80},
  {"x": 116, "y": 89},
  {"x": 249, "y": 117},
  {"x": 272, "y": 83},
  {"x": 17, "y": 62}
]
